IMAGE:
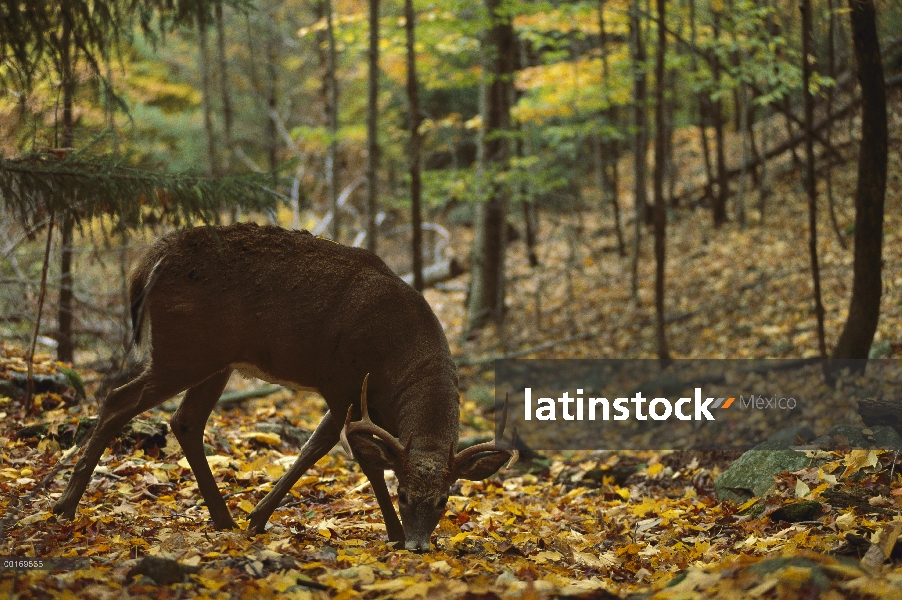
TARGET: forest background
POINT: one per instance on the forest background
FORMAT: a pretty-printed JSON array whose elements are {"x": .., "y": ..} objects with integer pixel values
[{"x": 561, "y": 179}]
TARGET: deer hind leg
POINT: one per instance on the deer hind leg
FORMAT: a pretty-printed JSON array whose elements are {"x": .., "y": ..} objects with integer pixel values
[
  {"x": 321, "y": 441},
  {"x": 146, "y": 391},
  {"x": 188, "y": 426}
]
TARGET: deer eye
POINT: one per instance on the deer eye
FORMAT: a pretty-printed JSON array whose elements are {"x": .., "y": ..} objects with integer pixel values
[{"x": 402, "y": 497}]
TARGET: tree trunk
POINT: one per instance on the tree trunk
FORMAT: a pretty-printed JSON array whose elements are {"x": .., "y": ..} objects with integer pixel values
[
  {"x": 831, "y": 72},
  {"x": 486, "y": 297},
  {"x": 660, "y": 218},
  {"x": 272, "y": 100},
  {"x": 65, "y": 350},
  {"x": 704, "y": 109},
  {"x": 810, "y": 179},
  {"x": 372, "y": 130},
  {"x": 212, "y": 162},
  {"x": 414, "y": 119},
  {"x": 864, "y": 309},
  {"x": 719, "y": 207},
  {"x": 332, "y": 109},
  {"x": 609, "y": 180},
  {"x": 224, "y": 88},
  {"x": 641, "y": 143}
]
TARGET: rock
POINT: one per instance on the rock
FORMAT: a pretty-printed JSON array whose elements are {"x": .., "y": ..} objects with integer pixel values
[
  {"x": 806, "y": 510},
  {"x": 164, "y": 571},
  {"x": 15, "y": 386},
  {"x": 880, "y": 437},
  {"x": 753, "y": 473}
]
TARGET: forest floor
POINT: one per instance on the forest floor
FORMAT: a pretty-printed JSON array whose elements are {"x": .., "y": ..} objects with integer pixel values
[{"x": 559, "y": 527}]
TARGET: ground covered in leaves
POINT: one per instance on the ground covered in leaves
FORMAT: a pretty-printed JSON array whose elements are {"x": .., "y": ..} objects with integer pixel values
[{"x": 588, "y": 524}]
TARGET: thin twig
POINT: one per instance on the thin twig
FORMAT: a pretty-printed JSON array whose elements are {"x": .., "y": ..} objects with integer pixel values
[{"x": 29, "y": 388}]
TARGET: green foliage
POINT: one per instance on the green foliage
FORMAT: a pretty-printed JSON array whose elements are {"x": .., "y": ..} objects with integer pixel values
[{"x": 96, "y": 186}]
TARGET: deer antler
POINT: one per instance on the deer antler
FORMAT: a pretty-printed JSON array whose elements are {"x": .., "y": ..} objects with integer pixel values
[
  {"x": 487, "y": 446},
  {"x": 366, "y": 426}
]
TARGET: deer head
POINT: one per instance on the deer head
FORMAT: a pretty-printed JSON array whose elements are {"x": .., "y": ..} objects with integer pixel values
[{"x": 424, "y": 479}]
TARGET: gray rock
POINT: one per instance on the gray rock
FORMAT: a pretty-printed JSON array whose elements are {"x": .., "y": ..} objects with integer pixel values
[
  {"x": 753, "y": 473},
  {"x": 879, "y": 437}
]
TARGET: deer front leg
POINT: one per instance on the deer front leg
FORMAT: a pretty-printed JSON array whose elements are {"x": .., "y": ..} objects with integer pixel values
[
  {"x": 188, "y": 426},
  {"x": 324, "y": 438},
  {"x": 392, "y": 524}
]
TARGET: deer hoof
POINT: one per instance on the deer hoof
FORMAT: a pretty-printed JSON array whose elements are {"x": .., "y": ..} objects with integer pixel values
[{"x": 64, "y": 511}]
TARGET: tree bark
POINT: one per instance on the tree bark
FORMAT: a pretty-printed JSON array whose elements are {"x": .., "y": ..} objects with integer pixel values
[
  {"x": 810, "y": 177},
  {"x": 641, "y": 143},
  {"x": 272, "y": 101},
  {"x": 719, "y": 206},
  {"x": 372, "y": 130},
  {"x": 609, "y": 180},
  {"x": 212, "y": 161},
  {"x": 414, "y": 120},
  {"x": 487, "y": 293},
  {"x": 332, "y": 81},
  {"x": 224, "y": 91},
  {"x": 831, "y": 72},
  {"x": 864, "y": 309},
  {"x": 704, "y": 109},
  {"x": 660, "y": 218},
  {"x": 65, "y": 350}
]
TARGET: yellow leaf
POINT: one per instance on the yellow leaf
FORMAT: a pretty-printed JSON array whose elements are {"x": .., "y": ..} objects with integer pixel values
[
  {"x": 845, "y": 522},
  {"x": 210, "y": 584},
  {"x": 802, "y": 489},
  {"x": 246, "y": 506},
  {"x": 460, "y": 537},
  {"x": 654, "y": 469},
  {"x": 747, "y": 504},
  {"x": 263, "y": 437},
  {"x": 622, "y": 492}
]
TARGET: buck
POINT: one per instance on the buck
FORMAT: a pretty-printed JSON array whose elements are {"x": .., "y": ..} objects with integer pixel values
[{"x": 294, "y": 309}]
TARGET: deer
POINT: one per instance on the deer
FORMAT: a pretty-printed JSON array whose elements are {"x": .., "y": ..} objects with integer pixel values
[{"x": 305, "y": 312}]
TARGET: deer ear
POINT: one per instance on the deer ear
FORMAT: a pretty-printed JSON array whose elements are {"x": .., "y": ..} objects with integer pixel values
[
  {"x": 373, "y": 452},
  {"x": 481, "y": 465}
]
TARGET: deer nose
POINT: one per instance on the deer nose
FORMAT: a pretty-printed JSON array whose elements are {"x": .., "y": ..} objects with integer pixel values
[{"x": 418, "y": 545}]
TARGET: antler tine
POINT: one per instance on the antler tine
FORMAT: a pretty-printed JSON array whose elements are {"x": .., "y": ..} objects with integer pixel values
[
  {"x": 366, "y": 426},
  {"x": 343, "y": 437},
  {"x": 364, "y": 413}
]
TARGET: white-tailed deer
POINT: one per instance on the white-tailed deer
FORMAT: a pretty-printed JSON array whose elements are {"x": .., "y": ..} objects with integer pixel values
[{"x": 305, "y": 312}]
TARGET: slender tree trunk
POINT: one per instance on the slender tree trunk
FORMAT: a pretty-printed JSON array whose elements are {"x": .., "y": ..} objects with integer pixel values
[
  {"x": 719, "y": 208},
  {"x": 206, "y": 94},
  {"x": 641, "y": 143},
  {"x": 486, "y": 297},
  {"x": 331, "y": 167},
  {"x": 704, "y": 109},
  {"x": 742, "y": 109},
  {"x": 529, "y": 218},
  {"x": 831, "y": 72},
  {"x": 414, "y": 119},
  {"x": 608, "y": 148},
  {"x": 65, "y": 350},
  {"x": 372, "y": 131},
  {"x": 660, "y": 217},
  {"x": 272, "y": 101},
  {"x": 810, "y": 178},
  {"x": 224, "y": 88},
  {"x": 864, "y": 309}
]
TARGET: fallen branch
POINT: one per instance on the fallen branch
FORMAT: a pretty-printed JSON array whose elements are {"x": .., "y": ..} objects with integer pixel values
[
  {"x": 242, "y": 395},
  {"x": 438, "y": 272}
]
